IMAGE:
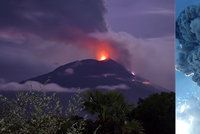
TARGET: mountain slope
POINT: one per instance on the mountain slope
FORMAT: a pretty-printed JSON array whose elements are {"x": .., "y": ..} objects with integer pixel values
[{"x": 93, "y": 74}]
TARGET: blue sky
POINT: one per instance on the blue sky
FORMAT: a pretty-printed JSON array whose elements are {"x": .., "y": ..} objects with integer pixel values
[
  {"x": 187, "y": 92},
  {"x": 182, "y": 4},
  {"x": 184, "y": 84}
]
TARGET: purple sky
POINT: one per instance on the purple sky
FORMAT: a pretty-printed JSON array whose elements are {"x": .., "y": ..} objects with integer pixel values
[
  {"x": 142, "y": 18},
  {"x": 36, "y": 37},
  {"x": 152, "y": 23}
]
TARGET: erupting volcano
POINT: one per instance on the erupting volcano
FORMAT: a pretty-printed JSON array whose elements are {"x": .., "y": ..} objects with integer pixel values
[
  {"x": 102, "y": 55},
  {"x": 103, "y": 52},
  {"x": 93, "y": 74}
]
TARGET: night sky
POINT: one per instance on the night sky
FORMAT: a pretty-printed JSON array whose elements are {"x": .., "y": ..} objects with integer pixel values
[{"x": 38, "y": 36}]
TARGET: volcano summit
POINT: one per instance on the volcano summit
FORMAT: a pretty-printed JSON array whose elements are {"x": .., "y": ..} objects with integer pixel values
[{"x": 93, "y": 74}]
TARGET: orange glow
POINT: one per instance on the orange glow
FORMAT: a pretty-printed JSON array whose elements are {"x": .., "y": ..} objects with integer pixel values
[
  {"x": 102, "y": 55},
  {"x": 103, "y": 52}
]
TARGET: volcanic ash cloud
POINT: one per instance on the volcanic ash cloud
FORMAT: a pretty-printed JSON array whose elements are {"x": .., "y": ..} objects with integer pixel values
[{"x": 188, "y": 35}]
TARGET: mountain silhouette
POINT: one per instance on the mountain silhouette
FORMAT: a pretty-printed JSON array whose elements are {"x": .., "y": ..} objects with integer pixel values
[{"x": 103, "y": 75}]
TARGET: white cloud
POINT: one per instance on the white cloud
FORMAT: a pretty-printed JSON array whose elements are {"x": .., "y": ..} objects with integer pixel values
[
  {"x": 161, "y": 11},
  {"x": 149, "y": 58},
  {"x": 115, "y": 87},
  {"x": 34, "y": 86},
  {"x": 188, "y": 114}
]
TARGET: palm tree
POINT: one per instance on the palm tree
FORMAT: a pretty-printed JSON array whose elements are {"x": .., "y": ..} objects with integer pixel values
[
  {"x": 111, "y": 110},
  {"x": 107, "y": 106}
]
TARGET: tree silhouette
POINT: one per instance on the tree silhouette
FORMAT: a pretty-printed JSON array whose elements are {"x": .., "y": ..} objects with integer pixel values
[
  {"x": 157, "y": 113},
  {"x": 111, "y": 110}
]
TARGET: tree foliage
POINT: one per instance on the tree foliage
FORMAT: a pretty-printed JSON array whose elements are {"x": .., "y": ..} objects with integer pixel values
[
  {"x": 112, "y": 110},
  {"x": 109, "y": 113},
  {"x": 31, "y": 112},
  {"x": 157, "y": 113}
]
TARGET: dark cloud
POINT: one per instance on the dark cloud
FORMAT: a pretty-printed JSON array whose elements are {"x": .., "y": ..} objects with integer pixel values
[
  {"x": 31, "y": 56},
  {"x": 37, "y": 36},
  {"x": 32, "y": 31},
  {"x": 188, "y": 34},
  {"x": 17, "y": 64},
  {"x": 53, "y": 19}
]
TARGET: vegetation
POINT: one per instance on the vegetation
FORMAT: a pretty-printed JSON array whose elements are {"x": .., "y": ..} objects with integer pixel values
[
  {"x": 93, "y": 112},
  {"x": 157, "y": 113},
  {"x": 111, "y": 110}
]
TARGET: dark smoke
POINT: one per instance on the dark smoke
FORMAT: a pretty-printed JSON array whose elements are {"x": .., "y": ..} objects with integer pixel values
[
  {"x": 119, "y": 42},
  {"x": 36, "y": 36},
  {"x": 188, "y": 34},
  {"x": 53, "y": 18},
  {"x": 38, "y": 28}
]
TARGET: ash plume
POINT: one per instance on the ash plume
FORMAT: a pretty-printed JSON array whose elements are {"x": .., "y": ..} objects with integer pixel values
[
  {"x": 37, "y": 36},
  {"x": 53, "y": 19},
  {"x": 53, "y": 30},
  {"x": 188, "y": 35}
]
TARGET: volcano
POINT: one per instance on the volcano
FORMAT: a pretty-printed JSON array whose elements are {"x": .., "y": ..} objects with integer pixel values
[
  {"x": 88, "y": 74},
  {"x": 102, "y": 75}
]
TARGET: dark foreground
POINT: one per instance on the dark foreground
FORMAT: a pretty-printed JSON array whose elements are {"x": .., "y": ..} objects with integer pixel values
[{"x": 92, "y": 112}]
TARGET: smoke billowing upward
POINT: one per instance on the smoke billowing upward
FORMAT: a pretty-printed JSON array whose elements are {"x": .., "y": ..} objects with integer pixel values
[
  {"x": 119, "y": 43},
  {"x": 69, "y": 22},
  {"x": 37, "y": 36},
  {"x": 53, "y": 19},
  {"x": 54, "y": 30},
  {"x": 188, "y": 34}
]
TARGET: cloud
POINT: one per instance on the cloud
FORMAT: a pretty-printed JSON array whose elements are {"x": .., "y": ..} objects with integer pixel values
[
  {"x": 36, "y": 37},
  {"x": 159, "y": 11},
  {"x": 149, "y": 58},
  {"x": 50, "y": 87},
  {"x": 139, "y": 55},
  {"x": 187, "y": 114},
  {"x": 53, "y": 19},
  {"x": 115, "y": 87},
  {"x": 35, "y": 86},
  {"x": 188, "y": 35}
]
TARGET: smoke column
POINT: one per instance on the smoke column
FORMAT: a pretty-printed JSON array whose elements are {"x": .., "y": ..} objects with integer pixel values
[{"x": 188, "y": 35}]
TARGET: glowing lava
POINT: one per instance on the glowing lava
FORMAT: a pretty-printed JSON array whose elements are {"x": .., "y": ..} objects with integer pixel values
[
  {"x": 103, "y": 52},
  {"x": 102, "y": 55}
]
